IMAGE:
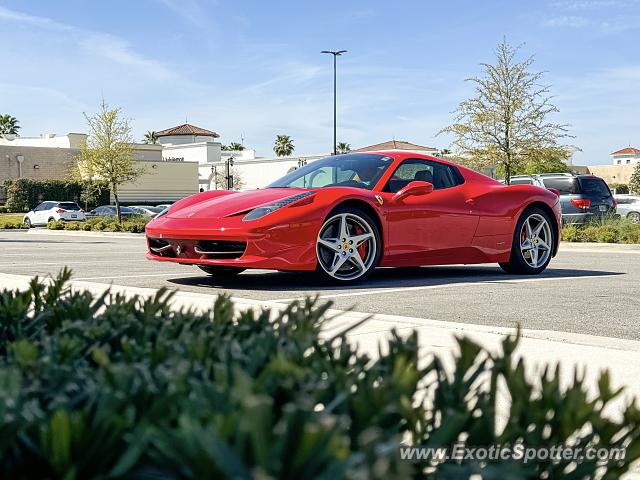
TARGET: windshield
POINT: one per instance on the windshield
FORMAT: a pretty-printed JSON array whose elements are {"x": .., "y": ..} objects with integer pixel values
[{"x": 359, "y": 170}]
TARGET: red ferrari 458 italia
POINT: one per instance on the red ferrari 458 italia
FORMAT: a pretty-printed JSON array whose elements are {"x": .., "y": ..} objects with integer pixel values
[{"x": 345, "y": 215}]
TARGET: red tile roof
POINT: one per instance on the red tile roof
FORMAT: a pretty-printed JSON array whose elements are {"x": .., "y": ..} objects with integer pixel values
[
  {"x": 395, "y": 145},
  {"x": 627, "y": 151},
  {"x": 186, "y": 129}
]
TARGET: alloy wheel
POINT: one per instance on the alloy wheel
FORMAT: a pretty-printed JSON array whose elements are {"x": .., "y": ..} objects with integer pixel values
[
  {"x": 634, "y": 217},
  {"x": 535, "y": 240},
  {"x": 346, "y": 246}
]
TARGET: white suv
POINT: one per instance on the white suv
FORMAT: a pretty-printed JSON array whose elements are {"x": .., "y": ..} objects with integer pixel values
[{"x": 52, "y": 212}]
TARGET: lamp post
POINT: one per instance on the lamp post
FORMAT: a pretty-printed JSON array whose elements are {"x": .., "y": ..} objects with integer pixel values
[
  {"x": 335, "y": 54},
  {"x": 229, "y": 177}
]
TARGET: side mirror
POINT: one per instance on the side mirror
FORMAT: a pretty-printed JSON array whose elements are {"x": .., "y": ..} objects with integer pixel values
[{"x": 415, "y": 188}]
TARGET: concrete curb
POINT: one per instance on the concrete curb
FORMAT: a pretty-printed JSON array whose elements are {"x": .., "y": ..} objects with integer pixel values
[
  {"x": 574, "y": 246},
  {"x": 82, "y": 233}
]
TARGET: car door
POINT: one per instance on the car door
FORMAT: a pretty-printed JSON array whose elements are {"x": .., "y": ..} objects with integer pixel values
[
  {"x": 39, "y": 214},
  {"x": 432, "y": 228}
]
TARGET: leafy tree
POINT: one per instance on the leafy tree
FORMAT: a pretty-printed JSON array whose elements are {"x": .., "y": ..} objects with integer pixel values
[
  {"x": 9, "y": 125},
  {"x": 343, "y": 147},
  {"x": 506, "y": 122},
  {"x": 107, "y": 154},
  {"x": 547, "y": 160},
  {"x": 634, "y": 181},
  {"x": 235, "y": 146},
  {"x": 283, "y": 146},
  {"x": 150, "y": 137}
]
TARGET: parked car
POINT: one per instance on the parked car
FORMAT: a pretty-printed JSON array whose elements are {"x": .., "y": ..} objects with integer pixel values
[
  {"x": 628, "y": 207},
  {"x": 53, "y": 211},
  {"x": 110, "y": 211},
  {"x": 582, "y": 197},
  {"x": 163, "y": 206},
  {"x": 145, "y": 210},
  {"x": 338, "y": 210}
]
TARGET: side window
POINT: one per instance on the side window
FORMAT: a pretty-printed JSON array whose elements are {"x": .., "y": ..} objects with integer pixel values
[{"x": 439, "y": 174}]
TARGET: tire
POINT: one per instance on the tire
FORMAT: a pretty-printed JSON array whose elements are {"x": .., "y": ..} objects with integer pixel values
[
  {"x": 221, "y": 271},
  {"x": 51, "y": 220},
  {"x": 27, "y": 222},
  {"x": 348, "y": 247},
  {"x": 634, "y": 217},
  {"x": 533, "y": 243}
]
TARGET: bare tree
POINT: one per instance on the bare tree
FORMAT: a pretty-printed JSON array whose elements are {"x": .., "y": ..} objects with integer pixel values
[
  {"x": 506, "y": 122},
  {"x": 107, "y": 154}
]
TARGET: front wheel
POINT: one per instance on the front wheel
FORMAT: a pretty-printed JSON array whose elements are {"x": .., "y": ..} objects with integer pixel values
[
  {"x": 27, "y": 222},
  {"x": 533, "y": 244},
  {"x": 348, "y": 246},
  {"x": 221, "y": 271}
]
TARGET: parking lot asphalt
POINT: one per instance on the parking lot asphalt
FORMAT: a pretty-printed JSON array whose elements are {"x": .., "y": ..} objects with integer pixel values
[{"x": 593, "y": 291}]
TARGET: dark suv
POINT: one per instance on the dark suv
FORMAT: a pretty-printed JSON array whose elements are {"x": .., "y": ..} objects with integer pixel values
[{"x": 582, "y": 197}]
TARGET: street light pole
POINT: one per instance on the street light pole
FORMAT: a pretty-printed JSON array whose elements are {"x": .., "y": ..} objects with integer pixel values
[{"x": 335, "y": 55}]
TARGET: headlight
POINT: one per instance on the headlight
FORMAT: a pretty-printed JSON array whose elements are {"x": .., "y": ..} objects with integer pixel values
[{"x": 260, "y": 212}]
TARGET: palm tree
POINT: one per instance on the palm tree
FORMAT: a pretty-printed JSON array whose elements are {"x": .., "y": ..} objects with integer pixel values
[
  {"x": 9, "y": 125},
  {"x": 343, "y": 147},
  {"x": 283, "y": 147},
  {"x": 238, "y": 147},
  {"x": 150, "y": 137}
]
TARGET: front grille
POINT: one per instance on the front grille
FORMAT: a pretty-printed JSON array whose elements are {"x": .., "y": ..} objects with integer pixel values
[
  {"x": 196, "y": 249},
  {"x": 160, "y": 247},
  {"x": 220, "y": 248}
]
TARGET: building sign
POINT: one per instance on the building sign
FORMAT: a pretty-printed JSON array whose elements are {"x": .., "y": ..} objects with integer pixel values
[{"x": 173, "y": 159}]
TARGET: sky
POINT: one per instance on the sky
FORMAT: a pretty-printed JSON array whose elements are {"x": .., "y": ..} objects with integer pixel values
[{"x": 250, "y": 70}]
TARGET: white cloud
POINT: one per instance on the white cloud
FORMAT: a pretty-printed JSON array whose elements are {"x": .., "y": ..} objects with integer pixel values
[
  {"x": 587, "y": 4},
  {"x": 103, "y": 45},
  {"x": 20, "y": 17},
  {"x": 118, "y": 50},
  {"x": 572, "y": 21},
  {"x": 191, "y": 10}
]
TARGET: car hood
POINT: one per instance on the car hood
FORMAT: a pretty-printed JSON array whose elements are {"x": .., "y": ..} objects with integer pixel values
[{"x": 233, "y": 203}]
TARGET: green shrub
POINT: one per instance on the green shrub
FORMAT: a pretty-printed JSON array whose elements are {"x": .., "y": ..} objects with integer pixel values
[
  {"x": 23, "y": 194},
  {"x": 571, "y": 233},
  {"x": 7, "y": 225},
  {"x": 3, "y": 209},
  {"x": 72, "y": 226},
  {"x": 619, "y": 188},
  {"x": 59, "y": 225},
  {"x": 604, "y": 230},
  {"x": 115, "y": 387}
]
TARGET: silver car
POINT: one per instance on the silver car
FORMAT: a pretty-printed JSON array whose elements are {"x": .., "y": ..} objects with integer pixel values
[{"x": 628, "y": 207}]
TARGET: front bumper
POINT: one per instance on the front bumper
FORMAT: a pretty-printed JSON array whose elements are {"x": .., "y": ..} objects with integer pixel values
[{"x": 231, "y": 242}]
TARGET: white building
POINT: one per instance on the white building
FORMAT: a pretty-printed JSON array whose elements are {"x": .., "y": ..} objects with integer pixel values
[
  {"x": 188, "y": 143},
  {"x": 626, "y": 156},
  {"x": 52, "y": 156}
]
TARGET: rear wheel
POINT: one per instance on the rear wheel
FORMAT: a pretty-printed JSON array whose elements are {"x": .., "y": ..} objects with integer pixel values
[
  {"x": 533, "y": 244},
  {"x": 348, "y": 246},
  {"x": 220, "y": 271},
  {"x": 634, "y": 217}
]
